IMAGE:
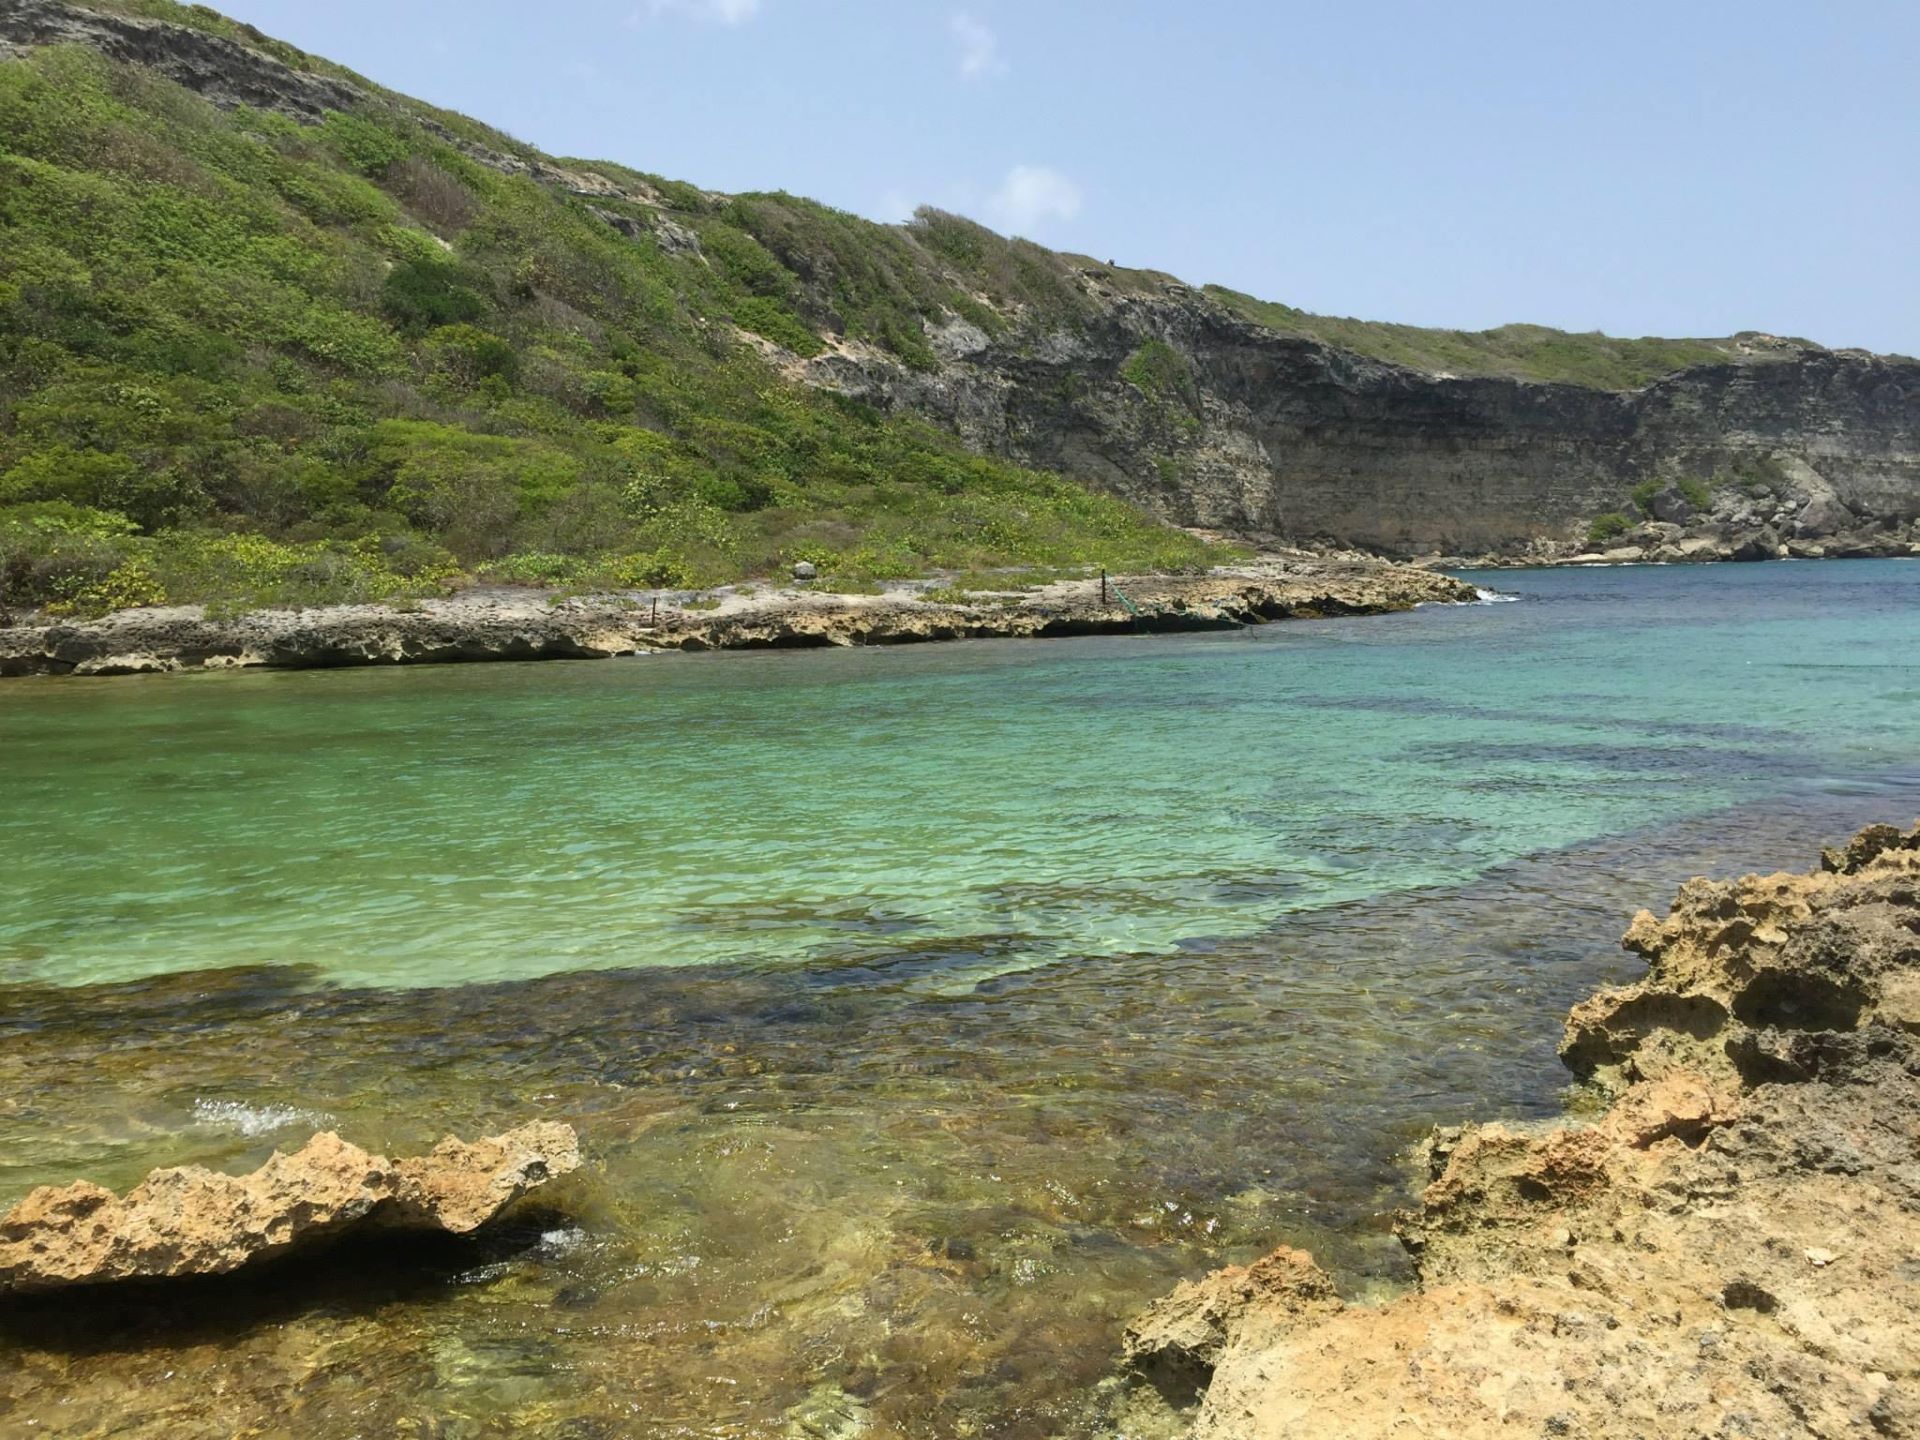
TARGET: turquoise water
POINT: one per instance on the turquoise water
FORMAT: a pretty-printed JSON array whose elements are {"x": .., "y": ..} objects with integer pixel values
[
  {"x": 987, "y": 806},
  {"x": 923, "y": 1013}
]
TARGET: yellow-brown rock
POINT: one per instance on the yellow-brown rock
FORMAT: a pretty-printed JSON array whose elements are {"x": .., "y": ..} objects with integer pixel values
[
  {"x": 190, "y": 1221},
  {"x": 1730, "y": 1249}
]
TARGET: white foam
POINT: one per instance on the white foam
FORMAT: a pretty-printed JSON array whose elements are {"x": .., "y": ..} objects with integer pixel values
[
  {"x": 236, "y": 1117},
  {"x": 563, "y": 1241}
]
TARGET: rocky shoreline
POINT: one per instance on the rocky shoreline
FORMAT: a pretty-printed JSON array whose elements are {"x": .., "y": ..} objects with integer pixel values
[
  {"x": 1794, "y": 516},
  {"x": 1730, "y": 1248},
  {"x": 537, "y": 625}
]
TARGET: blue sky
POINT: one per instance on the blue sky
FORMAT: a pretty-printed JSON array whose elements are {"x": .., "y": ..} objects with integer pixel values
[{"x": 1694, "y": 167}]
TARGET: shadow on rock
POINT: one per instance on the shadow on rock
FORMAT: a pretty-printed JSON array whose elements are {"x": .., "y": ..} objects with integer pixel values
[{"x": 356, "y": 1274}]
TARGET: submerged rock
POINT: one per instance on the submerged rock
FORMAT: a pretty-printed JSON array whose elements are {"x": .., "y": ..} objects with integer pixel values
[
  {"x": 190, "y": 1221},
  {"x": 1727, "y": 1250}
]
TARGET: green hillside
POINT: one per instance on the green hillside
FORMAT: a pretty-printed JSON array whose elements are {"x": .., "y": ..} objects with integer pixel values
[
  {"x": 242, "y": 358},
  {"x": 247, "y": 358}
]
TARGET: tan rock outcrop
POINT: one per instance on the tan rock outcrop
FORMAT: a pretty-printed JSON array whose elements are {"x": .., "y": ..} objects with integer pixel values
[
  {"x": 1728, "y": 1250},
  {"x": 191, "y": 1221}
]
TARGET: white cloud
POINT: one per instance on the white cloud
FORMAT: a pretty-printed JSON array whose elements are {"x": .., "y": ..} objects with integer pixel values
[
  {"x": 719, "y": 12},
  {"x": 979, "y": 48},
  {"x": 1030, "y": 196}
]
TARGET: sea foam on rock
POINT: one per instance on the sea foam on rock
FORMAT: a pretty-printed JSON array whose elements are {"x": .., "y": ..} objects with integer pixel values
[{"x": 191, "y": 1221}]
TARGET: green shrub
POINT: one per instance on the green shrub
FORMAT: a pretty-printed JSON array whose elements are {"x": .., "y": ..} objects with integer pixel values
[
  {"x": 54, "y": 551},
  {"x": 422, "y": 294},
  {"x": 470, "y": 355},
  {"x": 1607, "y": 527},
  {"x": 363, "y": 144},
  {"x": 1162, "y": 372},
  {"x": 1696, "y": 492},
  {"x": 774, "y": 320},
  {"x": 534, "y": 568},
  {"x": 1643, "y": 493}
]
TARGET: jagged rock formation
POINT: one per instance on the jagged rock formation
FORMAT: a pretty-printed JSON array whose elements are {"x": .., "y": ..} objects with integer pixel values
[
  {"x": 1239, "y": 426},
  {"x": 1286, "y": 436},
  {"x": 529, "y": 625},
  {"x": 191, "y": 1221},
  {"x": 1728, "y": 1250}
]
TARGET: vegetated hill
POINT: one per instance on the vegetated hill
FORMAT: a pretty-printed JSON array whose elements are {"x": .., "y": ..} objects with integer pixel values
[
  {"x": 333, "y": 343},
  {"x": 271, "y": 332}
]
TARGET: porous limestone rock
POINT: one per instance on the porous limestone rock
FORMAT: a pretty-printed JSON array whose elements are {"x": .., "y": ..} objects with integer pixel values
[
  {"x": 191, "y": 1221},
  {"x": 1728, "y": 1250}
]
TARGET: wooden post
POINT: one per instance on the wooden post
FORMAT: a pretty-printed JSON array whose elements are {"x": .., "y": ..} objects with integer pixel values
[
  {"x": 656, "y": 610},
  {"x": 1103, "y": 589}
]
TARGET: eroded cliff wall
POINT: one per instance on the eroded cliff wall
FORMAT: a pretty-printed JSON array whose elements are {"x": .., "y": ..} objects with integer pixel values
[
  {"x": 1286, "y": 436},
  {"x": 1170, "y": 397}
]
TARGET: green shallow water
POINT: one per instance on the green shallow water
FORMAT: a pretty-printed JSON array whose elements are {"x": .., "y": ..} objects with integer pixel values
[
  {"x": 998, "y": 804},
  {"x": 1086, "y": 964}
]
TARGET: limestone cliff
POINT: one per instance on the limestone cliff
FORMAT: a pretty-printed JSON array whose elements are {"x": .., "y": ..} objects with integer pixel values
[
  {"x": 1209, "y": 409},
  {"x": 1286, "y": 436}
]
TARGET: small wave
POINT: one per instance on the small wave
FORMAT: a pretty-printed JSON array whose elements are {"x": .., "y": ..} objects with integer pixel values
[
  {"x": 238, "y": 1118},
  {"x": 557, "y": 1243},
  {"x": 1481, "y": 597}
]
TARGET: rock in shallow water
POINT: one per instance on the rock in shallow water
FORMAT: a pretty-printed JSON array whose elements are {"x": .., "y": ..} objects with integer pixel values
[
  {"x": 191, "y": 1221},
  {"x": 1727, "y": 1250}
]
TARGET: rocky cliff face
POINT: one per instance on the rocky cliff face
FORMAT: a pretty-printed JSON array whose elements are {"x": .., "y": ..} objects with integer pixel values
[
  {"x": 1281, "y": 435},
  {"x": 1171, "y": 398}
]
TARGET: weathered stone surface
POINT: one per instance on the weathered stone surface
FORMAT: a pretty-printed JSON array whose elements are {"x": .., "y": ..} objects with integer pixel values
[
  {"x": 190, "y": 1221},
  {"x": 530, "y": 625},
  {"x": 1728, "y": 1250},
  {"x": 1314, "y": 445},
  {"x": 1180, "y": 1340}
]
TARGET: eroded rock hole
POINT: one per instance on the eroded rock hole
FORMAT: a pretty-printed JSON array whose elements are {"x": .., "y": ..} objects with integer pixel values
[{"x": 1796, "y": 1000}]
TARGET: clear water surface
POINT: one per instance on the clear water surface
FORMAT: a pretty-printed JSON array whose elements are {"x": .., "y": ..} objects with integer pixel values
[{"x": 1109, "y": 959}]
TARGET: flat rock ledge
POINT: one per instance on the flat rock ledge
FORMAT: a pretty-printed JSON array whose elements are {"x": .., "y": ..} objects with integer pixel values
[
  {"x": 535, "y": 625},
  {"x": 190, "y": 1221},
  {"x": 1731, "y": 1249}
]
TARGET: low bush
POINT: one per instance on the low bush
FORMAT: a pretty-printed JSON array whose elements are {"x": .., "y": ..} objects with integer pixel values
[{"x": 1607, "y": 527}]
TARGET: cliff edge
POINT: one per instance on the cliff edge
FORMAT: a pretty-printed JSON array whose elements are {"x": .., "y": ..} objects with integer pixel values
[{"x": 1202, "y": 406}]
